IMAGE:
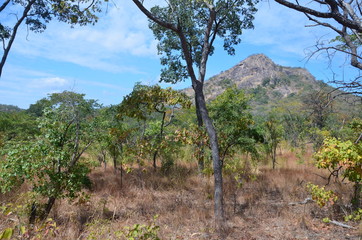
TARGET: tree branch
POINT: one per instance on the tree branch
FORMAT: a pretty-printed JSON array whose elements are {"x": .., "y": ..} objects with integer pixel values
[
  {"x": 333, "y": 14},
  {"x": 3, "y": 6},
  {"x": 153, "y": 17},
  {"x": 13, "y": 35}
]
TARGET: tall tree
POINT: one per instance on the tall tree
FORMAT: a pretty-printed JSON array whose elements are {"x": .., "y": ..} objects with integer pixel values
[
  {"x": 187, "y": 30},
  {"x": 344, "y": 18},
  {"x": 37, "y": 13}
]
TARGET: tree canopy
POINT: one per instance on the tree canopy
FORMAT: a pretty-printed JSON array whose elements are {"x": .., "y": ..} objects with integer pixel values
[{"x": 37, "y": 13}]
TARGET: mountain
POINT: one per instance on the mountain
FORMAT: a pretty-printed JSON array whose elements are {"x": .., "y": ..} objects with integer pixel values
[
  {"x": 258, "y": 72},
  {"x": 9, "y": 108},
  {"x": 272, "y": 85}
]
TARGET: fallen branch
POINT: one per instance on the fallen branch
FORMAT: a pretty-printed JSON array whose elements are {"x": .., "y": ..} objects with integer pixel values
[
  {"x": 341, "y": 224},
  {"x": 307, "y": 200}
]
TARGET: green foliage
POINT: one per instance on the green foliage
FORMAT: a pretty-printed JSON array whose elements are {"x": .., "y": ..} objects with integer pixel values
[
  {"x": 145, "y": 100},
  {"x": 51, "y": 163},
  {"x": 100, "y": 229},
  {"x": 45, "y": 230},
  {"x": 355, "y": 216},
  {"x": 259, "y": 95},
  {"x": 8, "y": 108},
  {"x": 7, "y": 233},
  {"x": 191, "y": 18},
  {"x": 341, "y": 44},
  {"x": 234, "y": 123},
  {"x": 17, "y": 126},
  {"x": 142, "y": 232},
  {"x": 152, "y": 109},
  {"x": 273, "y": 135},
  {"x": 321, "y": 196},
  {"x": 38, "y": 108},
  {"x": 345, "y": 154},
  {"x": 80, "y": 12}
]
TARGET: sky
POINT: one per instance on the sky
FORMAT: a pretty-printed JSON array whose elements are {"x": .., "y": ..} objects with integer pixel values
[{"x": 104, "y": 61}]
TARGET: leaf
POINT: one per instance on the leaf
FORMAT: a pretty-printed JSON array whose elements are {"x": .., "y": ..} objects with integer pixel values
[
  {"x": 7, "y": 233},
  {"x": 23, "y": 230}
]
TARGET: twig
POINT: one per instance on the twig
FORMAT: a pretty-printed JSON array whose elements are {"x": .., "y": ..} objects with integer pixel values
[
  {"x": 307, "y": 200},
  {"x": 341, "y": 224}
]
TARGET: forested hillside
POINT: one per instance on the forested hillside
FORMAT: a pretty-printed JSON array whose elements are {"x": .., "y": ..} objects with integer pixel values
[{"x": 9, "y": 108}]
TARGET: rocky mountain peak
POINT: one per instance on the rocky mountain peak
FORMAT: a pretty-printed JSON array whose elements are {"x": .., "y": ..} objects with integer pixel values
[{"x": 259, "y": 70}]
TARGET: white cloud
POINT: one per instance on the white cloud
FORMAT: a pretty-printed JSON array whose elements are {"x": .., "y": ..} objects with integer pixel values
[
  {"x": 120, "y": 33},
  {"x": 51, "y": 82}
]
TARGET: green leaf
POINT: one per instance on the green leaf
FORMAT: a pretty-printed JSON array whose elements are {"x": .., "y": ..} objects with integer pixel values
[{"x": 7, "y": 233}]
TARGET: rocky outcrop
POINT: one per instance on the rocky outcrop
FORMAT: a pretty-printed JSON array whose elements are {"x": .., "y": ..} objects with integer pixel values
[{"x": 259, "y": 71}]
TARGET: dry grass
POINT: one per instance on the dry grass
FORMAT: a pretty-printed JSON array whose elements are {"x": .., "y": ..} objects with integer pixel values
[{"x": 183, "y": 202}]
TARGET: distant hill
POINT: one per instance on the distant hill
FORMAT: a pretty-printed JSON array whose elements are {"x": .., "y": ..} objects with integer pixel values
[
  {"x": 269, "y": 83},
  {"x": 10, "y": 108},
  {"x": 260, "y": 71}
]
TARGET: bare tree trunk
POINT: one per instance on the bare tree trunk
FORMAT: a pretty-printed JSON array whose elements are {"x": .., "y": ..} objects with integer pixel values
[
  {"x": 48, "y": 207},
  {"x": 274, "y": 157},
  {"x": 356, "y": 201},
  {"x": 200, "y": 145},
  {"x": 218, "y": 181},
  {"x": 159, "y": 140},
  {"x": 32, "y": 215}
]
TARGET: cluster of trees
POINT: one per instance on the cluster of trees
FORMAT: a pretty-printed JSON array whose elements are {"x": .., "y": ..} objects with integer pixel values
[{"x": 43, "y": 145}]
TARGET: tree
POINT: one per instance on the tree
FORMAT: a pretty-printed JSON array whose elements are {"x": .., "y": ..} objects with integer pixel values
[
  {"x": 18, "y": 125},
  {"x": 37, "y": 13},
  {"x": 319, "y": 107},
  {"x": 38, "y": 108},
  {"x": 344, "y": 158},
  {"x": 186, "y": 30},
  {"x": 344, "y": 18},
  {"x": 145, "y": 100},
  {"x": 51, "y": 164},
  {"x": 274, "y": 133},
  {"x": 234, "y": 123}
]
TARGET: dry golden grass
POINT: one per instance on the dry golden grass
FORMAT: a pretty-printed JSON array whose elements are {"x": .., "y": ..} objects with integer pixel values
[{"x": 183, "y": 201}]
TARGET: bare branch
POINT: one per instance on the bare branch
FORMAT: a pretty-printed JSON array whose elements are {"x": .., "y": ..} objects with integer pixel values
[
  {"x": 333, "y": 14},
  {"x": 3, "y": 6}
]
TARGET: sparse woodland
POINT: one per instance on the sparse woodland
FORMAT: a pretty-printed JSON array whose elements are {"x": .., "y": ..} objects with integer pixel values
[
  {"x": 280, "y": 159},
  {"x": 76, "y": 170}
]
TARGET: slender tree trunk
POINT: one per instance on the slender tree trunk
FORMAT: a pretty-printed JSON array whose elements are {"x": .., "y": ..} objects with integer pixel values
[
  {"x": 13, "y": 35},
  {"x": 32, "y": 215},
  {"x": 121, "y": 174},
  {"x": 200, "y": 145},
  {"x": 274, "y": 157},
  {"x": 159, "y": 139},
  {"x": 48, "y": 207},
  {"x": 218, "y": 181},
  {"x": 356, "y": 202},
  {"x": 115, "y": 164}
]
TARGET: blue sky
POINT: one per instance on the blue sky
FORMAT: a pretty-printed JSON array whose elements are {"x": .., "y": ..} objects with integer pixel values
[{"x": 105, "y": 60}]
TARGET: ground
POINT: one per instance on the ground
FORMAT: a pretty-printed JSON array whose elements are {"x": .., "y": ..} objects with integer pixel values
[{"x": 182, "y": 201}]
